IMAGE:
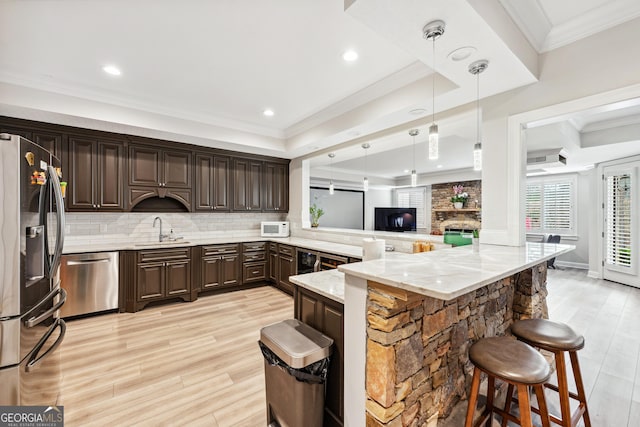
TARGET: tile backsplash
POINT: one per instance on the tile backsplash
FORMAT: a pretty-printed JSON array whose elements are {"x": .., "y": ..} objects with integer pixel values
[{"x": 138, "y": 227}]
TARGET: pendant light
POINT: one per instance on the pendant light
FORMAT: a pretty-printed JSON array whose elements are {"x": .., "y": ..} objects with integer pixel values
[
  {"x": 365, "y": 181},
  {"x": 331, "y": 188},
  {"x": 433, "y": 30},
  {"x": 414, "y": 175},
  {"x": 476, "y": 68}
]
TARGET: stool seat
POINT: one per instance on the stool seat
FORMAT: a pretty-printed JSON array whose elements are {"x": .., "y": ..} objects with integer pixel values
[
  {"x": 547, "y": 334},
  {"x": 510, "y": 360},
  {"x": 521, "y": 367}
]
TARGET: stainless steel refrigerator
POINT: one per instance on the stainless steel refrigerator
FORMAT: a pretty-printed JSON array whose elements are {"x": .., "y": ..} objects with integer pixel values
[{"x": 31, "y": 240}]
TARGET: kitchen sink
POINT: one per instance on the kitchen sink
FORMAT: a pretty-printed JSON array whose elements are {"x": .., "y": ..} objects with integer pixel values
[{"x": 162, "y": 244}]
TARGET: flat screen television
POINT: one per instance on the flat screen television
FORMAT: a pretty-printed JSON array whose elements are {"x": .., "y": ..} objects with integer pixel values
[{"x": 395, "y": 219}]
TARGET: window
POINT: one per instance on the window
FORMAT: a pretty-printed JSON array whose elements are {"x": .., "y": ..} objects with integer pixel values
[
  {"x": 551, "y": 205},
  {"x": 413, "y": 198}
]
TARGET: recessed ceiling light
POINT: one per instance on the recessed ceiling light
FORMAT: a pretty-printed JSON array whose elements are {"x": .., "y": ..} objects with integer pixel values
[
  {"x": 461, "y": 53},
  {"x": 439, "y": 166},
  {"x": 406, "y": 171},
  {"x": 417, "y": 111},
  {"x": 111, "y": 69},
  {"x": 350, "y": 55},
  {"x": 268, "y": 112}
]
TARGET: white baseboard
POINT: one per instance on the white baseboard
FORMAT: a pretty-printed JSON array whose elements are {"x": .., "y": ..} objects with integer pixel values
[
  {"x": 569, "y": 264},
  {"x": 594, "y": 274}
]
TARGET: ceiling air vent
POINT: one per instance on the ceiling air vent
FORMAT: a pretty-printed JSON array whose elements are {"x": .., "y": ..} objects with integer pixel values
[{"x": 546, "y": 159}]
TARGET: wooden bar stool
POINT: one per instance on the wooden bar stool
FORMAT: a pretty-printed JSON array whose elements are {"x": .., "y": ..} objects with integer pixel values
[
  {"x": 516, "y": 363},
  {"x": 558, "y": 338}
]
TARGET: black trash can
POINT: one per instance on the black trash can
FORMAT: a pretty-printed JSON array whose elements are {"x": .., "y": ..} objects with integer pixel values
[{"x": 296, "y": 363}]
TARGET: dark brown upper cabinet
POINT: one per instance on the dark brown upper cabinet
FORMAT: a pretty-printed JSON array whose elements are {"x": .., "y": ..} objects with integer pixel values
[
  {"x": 94, "y": 174},
  {"x": 51, "y": 141},
  {"x": 247, "y": 185},
  {"x": 276, "y": 187},
  {"x": 213, "y": 183},
  {"x": 161, "y": 174},
  {"x": 153, "y": 167}
]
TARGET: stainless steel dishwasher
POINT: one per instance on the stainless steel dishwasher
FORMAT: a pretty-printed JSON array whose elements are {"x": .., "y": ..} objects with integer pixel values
[{"x": 91, "y": 282}]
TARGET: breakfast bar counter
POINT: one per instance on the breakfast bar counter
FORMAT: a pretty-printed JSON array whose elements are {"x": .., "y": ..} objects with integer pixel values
[{"x": 409, "y": 322}]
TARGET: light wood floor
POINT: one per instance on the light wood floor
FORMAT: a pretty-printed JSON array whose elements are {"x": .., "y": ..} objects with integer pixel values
[
  {"x": 198, "y": 363},
  {"x": 180, "y": 364}
]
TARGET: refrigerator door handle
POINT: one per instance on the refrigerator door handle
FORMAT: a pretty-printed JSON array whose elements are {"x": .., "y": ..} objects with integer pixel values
[
  {"x": 34, "y": 359},
  {"x": 35, "y": 320},
  {"x": 57, "y": 191}
]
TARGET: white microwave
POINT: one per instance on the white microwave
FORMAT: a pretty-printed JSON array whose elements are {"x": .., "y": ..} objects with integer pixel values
[{"x": 274, "y": 228}]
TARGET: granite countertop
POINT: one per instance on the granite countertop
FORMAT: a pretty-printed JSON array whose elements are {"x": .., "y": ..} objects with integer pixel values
[
  {"x": 448, "y": 273},
  {"x": 316, "y": 245},
  {"x": 328, "y": 283}
]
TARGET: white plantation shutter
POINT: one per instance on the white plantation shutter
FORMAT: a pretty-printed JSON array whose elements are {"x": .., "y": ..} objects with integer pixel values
[
  {"x": 551, "y": 205},
  {"x": 558, "y": 206},
  {"x": 534, "y": 206},
  {"x": 618, "y": 220},
  {"x": 413, "y": 198}
]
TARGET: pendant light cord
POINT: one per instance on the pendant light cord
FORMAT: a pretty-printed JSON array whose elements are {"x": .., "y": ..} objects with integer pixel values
[
  {"x": 433, "y": 83},
  {"x": 331, "y": 166},
  {"x": 478, "y": 106},
  {"x": 414, "y": 152}
]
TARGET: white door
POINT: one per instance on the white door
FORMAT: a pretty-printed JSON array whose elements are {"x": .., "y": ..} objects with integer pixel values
[{"x": 620, "y": 226}]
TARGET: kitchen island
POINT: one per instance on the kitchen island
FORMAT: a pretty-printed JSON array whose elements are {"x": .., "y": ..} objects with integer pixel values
[{"x": 410, "y": 320}]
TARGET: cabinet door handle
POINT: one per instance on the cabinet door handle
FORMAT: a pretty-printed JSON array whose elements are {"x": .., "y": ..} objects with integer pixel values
[{"x": 98, "y": 206}]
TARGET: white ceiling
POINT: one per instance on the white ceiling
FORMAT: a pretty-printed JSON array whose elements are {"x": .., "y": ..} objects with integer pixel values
[
  {"x": 549, "y": 24},
  {"x": 203, "y": 71},
  {"x": 222, "y": 61}
]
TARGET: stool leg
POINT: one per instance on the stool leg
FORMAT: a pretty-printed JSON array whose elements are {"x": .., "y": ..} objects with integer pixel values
[
  {"x": 507, "y": 404},
  {"x": 542, "y": 405},
  {"x": 563, "y": 388},
  {"x": 577, "y": 374},
  {"x": 473, "y": 398},
  {"x": 524, "y": 405},
  {"x": 491, "y": 390}
]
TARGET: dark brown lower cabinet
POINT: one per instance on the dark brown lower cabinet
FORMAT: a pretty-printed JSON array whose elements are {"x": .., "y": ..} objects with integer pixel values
[
  {"x": 254, "y": 262},
  {"x": 327, "y": 316},
  {"x": 220, "y": 267},
  {"x": 161, "y": 274},
  {"x": 286, "y": 268},
  {"x": 273, "y": 262}
]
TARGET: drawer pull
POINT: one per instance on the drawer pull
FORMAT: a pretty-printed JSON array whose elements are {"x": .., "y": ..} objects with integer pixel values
[{"x": 255, "y": 272}]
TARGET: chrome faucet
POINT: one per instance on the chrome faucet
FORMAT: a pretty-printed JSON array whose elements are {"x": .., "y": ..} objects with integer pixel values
[{"x": 160, "y": 235}]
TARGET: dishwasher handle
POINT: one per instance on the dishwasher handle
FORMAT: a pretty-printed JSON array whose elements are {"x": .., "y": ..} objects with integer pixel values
[{"x": 88, "y": 261}]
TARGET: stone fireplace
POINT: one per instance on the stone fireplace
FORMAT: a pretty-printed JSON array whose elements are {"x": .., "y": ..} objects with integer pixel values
[{"x": 444, "y": 215}]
